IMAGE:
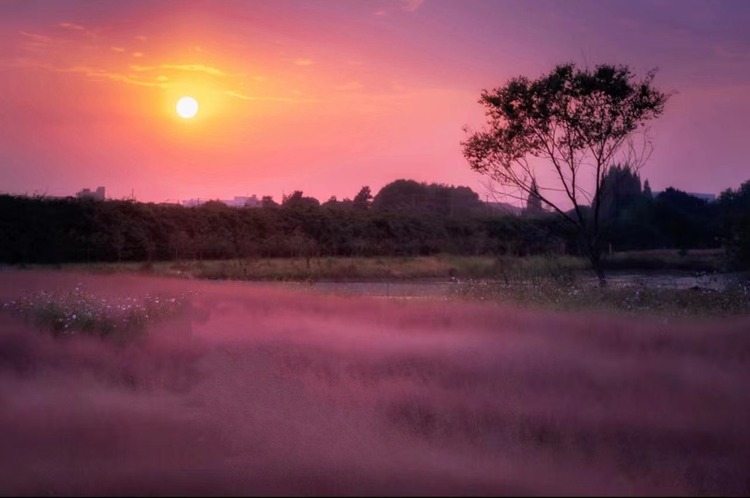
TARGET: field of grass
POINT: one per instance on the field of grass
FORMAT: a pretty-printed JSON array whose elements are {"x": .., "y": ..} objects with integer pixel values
[
  {"x": 341, "y": 269},
  {"x": 257, "y": 389},
  {"x": 416, "y": 267},
  {"x": 556, "y": 283},
  {"x": 629, "y": 300},
  {"x": 701, "y": 260}
]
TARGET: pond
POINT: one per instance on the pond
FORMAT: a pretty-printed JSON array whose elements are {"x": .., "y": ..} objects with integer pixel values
[{"x": 448, "y": 287}]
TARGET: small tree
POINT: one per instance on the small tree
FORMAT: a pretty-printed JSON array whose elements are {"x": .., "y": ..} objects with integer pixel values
[
  {"x": 297, "y": 200},
  {"x": 647, "y": 190},
  {"x": 562, "y": 133},
  {"x": 268, "y": 202},
  {"x": 362, "y": 199},
  {"x": 621, "y": 187},
  {"x": 534, "y": 202}
]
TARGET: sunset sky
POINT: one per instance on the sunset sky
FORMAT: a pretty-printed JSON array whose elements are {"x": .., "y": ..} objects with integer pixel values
[{"x": 326, "y": 96}]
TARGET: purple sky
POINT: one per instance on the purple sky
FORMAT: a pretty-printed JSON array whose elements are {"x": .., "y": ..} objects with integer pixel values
[{"x": 328, "y": 96}]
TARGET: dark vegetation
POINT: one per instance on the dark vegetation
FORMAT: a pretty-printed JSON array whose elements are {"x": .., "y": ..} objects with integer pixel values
[{"x": 405, "y": 218}]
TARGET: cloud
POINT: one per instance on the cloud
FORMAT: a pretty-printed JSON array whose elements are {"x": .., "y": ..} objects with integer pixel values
[
  {"x": 37, "y": 37},
  {"x": 71, "y": 26},
  {"x": 180, "y": 67},
  {"x": 303, "y": 62},
  {"x": 411, "y": 5},
  {"x": 242, "y": 96},
  {"x": 239, "y": 95},
  {"x": 117, "y": 49},
  {"x": 96, "y": 73},
  {"x": 196, "y": 68},
  {"x": 138, "y": 54},
  {"x": 401, "y": 5}
]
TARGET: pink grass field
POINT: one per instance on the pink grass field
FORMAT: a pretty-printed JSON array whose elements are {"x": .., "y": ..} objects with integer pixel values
[{"x": 255, "y": 389}]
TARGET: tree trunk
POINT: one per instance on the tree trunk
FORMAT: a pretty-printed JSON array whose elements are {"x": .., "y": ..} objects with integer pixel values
[{"x": 596, "y": 265}]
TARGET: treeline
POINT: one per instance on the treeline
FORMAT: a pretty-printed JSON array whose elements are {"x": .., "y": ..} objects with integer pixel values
[
  {"x": 405, "y": 218},
  {"x": 635, "y": 218}
]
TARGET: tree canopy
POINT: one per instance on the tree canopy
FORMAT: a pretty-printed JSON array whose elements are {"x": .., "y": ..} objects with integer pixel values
[{"x": 561, "y": 133}]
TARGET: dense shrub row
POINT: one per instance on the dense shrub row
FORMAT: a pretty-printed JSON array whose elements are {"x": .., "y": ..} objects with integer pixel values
[
  {"x": 418, "y": 219},
  {"x": 37, "y": 230}
]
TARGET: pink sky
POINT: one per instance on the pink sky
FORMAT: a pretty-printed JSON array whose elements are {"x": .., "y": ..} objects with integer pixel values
[{"x": 328, "y": 96}]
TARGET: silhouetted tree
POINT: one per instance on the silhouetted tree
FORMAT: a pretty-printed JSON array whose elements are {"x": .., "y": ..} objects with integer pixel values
[
  {"x": 331, "y": 202},
  {"x": 734, "y": 206},
  {"x": 298, "y": 200},
  {"x": 576, "y": 121},
  {"x": 647, "y": 190},
  {"x": 401, "y": 195},
  {"x": 621, "y": 187},
  {"x": 534, "y": 202},
  {"x": 268, "y": 202},
  {"x": 427, "y": 200},
  {"x": 362, "y": 199},
  {"x": 687, "y": 221}
]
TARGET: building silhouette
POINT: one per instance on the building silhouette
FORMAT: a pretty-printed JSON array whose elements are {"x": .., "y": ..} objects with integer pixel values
[
  {"x": 237, "y": 202},
  {"x": 86, "y": 193}
]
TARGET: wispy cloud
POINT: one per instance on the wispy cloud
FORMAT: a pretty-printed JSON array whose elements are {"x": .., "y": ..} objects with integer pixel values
[
  {"x": 36, "y": 37},
  {"x": 97, "y": 73},
  {"x": 412, "y": 5},
  {"x": 71, "y": 26},
  {"x": 100, "y": 67},
  {"x": 201, "y": 68},
  {"x": 239, "y": 95},
  {"x": 242, "y": 96},
  {"x": 400, "y": 5}
]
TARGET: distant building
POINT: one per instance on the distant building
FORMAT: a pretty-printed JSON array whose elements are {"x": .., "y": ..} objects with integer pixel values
[
  {"x": 97, "y": 194},
  {"x": 193, "y": 202},
  {"x": 243, "y": 201},
  {"x": 237, "y": 202}
]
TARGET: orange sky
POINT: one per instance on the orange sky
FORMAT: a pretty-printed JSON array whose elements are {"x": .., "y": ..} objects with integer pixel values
[{"x": 329, "y": 96}]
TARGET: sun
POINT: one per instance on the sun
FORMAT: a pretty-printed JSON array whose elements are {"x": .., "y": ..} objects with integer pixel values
[{"x": 187, "y": 107}]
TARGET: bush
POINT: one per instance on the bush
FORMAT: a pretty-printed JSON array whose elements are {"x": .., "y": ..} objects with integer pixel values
[{"x": 78, "y": 311}]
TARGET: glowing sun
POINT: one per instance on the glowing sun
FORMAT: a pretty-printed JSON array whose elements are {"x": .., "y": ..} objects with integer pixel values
[{"x": 187, "y": 107}]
